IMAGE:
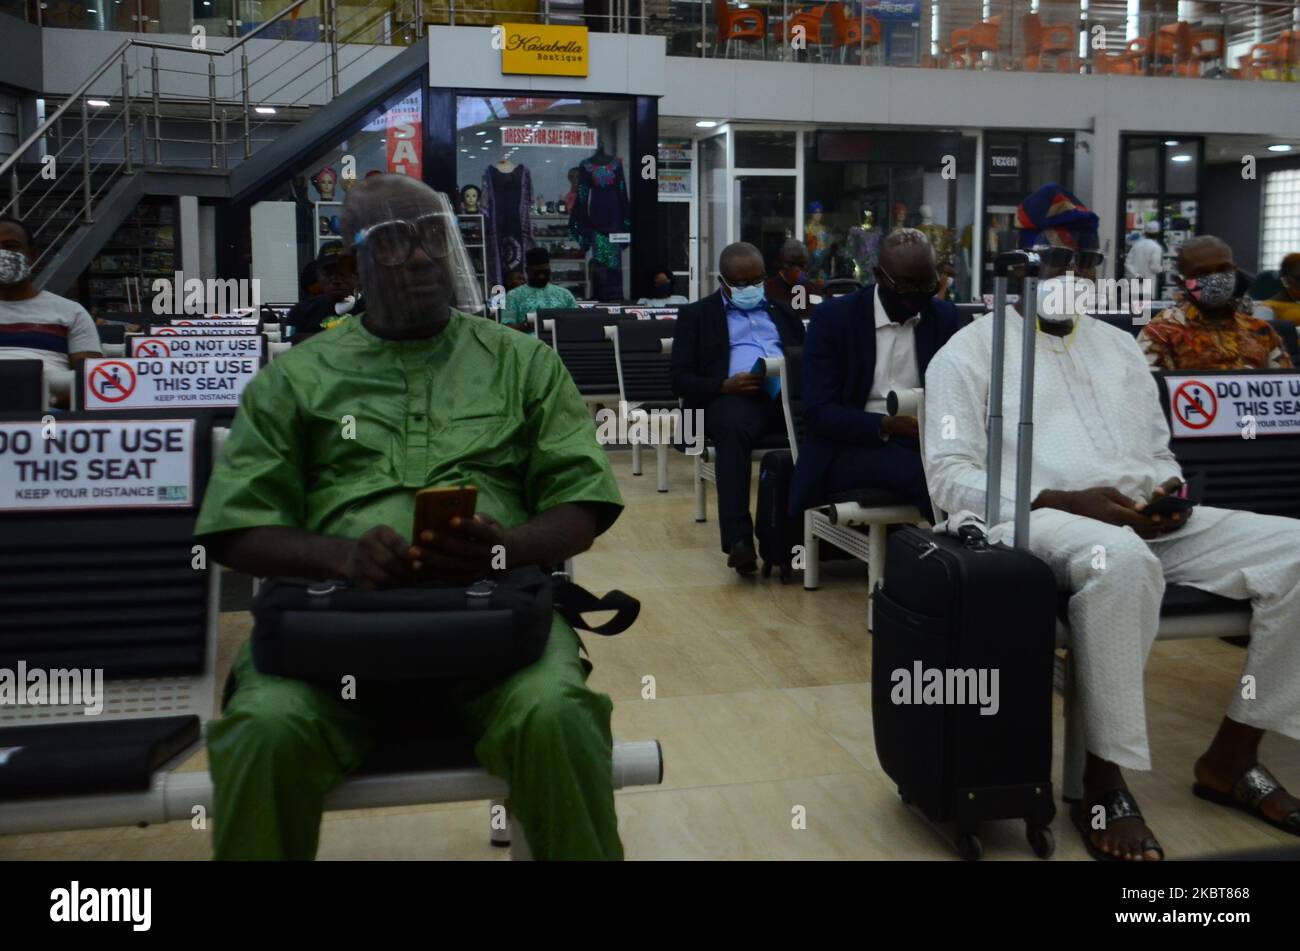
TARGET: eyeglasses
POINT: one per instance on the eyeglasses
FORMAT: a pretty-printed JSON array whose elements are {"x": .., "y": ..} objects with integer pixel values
[
  {"x": 738, "y": 285},
  {"x": 1065, "y": 258},
  {"x": 929, "y": 288},
  {"x": 391, "y": 242}
]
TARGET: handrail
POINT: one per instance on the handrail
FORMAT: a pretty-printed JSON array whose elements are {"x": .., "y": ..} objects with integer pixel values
[{"x": 81, "y": 90}]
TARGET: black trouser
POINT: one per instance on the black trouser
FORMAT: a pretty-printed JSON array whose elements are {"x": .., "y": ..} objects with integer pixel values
[
  {"x": 735, "y": 424},
  {"x": 894, "y": 466}
]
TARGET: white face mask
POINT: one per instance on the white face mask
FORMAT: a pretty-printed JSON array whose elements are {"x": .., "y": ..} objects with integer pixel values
[
  {"x": 14, "y": 267},
  {"x": 1066, "y": 298}
]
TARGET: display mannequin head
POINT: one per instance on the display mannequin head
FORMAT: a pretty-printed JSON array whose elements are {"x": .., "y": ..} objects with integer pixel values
[
  {"x": 927, "y": 215},
  {"x": 900, "y": 215},
  {"x": 469, "y": 200}
]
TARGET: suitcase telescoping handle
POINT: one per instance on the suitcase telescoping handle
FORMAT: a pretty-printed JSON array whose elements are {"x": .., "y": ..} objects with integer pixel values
[{"x": 1003, "y": 264}]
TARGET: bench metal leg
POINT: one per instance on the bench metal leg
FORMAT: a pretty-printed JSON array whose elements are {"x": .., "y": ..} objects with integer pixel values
[
  {"x": 636, "y": 458},
  {"x": 1075, "y": 745},
  {"x": 499, "y": 823},
  {"x": 811, "y": 565},
  {"x": 661, "y": 466},
  {"x": 700, "y": 501},
  {"x": 875, "y": 562}
]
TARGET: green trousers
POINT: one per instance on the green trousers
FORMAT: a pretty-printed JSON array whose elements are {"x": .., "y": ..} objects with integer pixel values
[{"x": 283, "y": 744}]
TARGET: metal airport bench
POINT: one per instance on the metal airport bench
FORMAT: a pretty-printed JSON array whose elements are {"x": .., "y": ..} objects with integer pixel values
[
  {"x": 642, "y": 357},
  {"x": 578, "y": 336},
  {"x": 120, "y": 589}
]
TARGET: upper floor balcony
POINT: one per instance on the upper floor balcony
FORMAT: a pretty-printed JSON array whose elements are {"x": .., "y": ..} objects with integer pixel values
[{"x": 1169, "y": 38}]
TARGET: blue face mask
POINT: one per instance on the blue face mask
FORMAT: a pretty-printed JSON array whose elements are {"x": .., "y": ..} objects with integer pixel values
[{"x": 747, "y": 298}]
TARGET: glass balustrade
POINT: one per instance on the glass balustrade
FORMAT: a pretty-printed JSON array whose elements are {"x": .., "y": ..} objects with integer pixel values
[{"x": 1164, "y": 38}]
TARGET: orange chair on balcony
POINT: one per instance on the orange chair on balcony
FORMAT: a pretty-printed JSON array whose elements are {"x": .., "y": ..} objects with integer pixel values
[
  {"x": 811, "y": 22},
  {"x": 747, "y": 26},
  {"x": 1207, "y": 47},
  {"x": 846, "y": 30},
  {"x": 1045, "y": 41},
  {"x": 1172, "y": 51},
  {"x": 966, "y": 47},
  {"x": 1276, "y": 60}
]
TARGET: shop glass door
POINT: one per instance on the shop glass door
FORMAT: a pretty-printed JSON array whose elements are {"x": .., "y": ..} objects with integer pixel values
[{"x": 765, "y": 209}]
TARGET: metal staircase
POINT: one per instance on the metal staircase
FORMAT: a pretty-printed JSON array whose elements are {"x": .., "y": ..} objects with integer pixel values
[{"x": 122, "y": 134}]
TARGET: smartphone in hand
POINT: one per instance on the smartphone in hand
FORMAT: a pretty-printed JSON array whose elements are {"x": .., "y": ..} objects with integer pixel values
[
  {"x": 435, "y": 508},
  {"x": 1172, "y": 504}
]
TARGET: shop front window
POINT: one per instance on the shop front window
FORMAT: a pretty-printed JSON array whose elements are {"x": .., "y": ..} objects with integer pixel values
[
  {"x": 861, "y": 184},
  {"x": 1162, "y": 179},
  {"x": 552, "y": 173}
]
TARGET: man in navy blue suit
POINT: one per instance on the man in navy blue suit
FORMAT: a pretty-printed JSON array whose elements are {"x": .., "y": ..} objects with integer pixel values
[
  {"x": 859, "y": 348},
  {"x": 717, "y": 341}
]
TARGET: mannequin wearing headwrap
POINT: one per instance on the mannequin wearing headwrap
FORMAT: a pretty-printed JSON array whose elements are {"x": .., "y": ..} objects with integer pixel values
[{"x": 816, "y": 240}]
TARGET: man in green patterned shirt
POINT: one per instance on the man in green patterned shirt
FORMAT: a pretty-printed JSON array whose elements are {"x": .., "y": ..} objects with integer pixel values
[
  {"x": 318, "y": 480},
  {"x": 538, "y": 294}
]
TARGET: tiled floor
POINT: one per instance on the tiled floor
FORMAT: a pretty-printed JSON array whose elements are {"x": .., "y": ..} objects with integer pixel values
[{"x": 762, "y": 705}]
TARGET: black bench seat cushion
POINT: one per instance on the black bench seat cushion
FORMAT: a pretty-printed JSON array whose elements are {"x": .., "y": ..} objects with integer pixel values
[{"x": 91, "y": 757}]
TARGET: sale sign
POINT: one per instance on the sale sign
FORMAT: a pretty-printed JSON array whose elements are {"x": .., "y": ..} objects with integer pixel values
[{"x": 559, "y": 136}]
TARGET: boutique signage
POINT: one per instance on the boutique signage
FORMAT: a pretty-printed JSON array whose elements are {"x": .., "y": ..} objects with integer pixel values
[
  {"x": 538, "y": 50},
  {"x": 557, "y": 136}
]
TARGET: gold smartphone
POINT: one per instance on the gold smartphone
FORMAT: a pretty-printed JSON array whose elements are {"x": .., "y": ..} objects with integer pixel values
[{"x": 435, "y": 508}]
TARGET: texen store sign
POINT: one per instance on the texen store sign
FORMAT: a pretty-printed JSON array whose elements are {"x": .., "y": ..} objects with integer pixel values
[{"x": 562, "y": 137}]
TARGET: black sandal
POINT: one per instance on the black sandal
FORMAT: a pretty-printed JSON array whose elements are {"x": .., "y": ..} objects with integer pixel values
[
  {"x": 1251, "y": 788},
  {"x": 1118, "y": 804}
]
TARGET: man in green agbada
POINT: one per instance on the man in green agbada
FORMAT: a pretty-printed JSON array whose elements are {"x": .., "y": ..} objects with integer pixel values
[{"x": 318, "y": 480}]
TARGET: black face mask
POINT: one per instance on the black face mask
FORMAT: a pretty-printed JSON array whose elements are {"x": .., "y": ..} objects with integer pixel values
[
  {"x": 900, "y": 307},
  {"x": 539, "y": 279}
]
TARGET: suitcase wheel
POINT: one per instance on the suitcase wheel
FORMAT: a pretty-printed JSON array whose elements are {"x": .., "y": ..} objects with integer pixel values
[
  {"x": 1041, "y": 840},
  {"x": 969, "y": 846}
]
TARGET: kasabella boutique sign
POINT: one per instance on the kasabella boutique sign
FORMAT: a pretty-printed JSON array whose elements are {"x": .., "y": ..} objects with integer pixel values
[{"x": 534, "y": 49}]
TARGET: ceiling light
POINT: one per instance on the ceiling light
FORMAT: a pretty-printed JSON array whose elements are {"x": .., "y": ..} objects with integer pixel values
[
  {"x": 1171, "y": 142},
  {"x": 1280, "y": 147},
  {"x": 97, "y": 103},
  {"x": 1057, "y": 140},
  {"x": 1181, "y": 158},
  {"x": 481, "y": 132},
  {"x": 264, "y": 110},
  {"x": 705, "y": 124}
]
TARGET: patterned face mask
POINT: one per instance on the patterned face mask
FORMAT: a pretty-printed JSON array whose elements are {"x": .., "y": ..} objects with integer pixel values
[
  {"x": 1213, "y": 290},
  {"x": 14, "y": 267}
]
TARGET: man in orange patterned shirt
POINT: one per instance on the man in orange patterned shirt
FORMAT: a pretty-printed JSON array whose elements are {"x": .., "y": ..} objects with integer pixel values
[{"x": 1211, "y": 327}]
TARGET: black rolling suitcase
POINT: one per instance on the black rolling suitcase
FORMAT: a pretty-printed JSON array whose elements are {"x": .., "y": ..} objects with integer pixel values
[
  {"x": 777, "y": 531},
  {"x": 963, "y": 743}
]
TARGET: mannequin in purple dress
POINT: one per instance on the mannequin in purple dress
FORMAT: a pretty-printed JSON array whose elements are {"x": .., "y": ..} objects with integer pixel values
[{"x": 506, "y": 204}]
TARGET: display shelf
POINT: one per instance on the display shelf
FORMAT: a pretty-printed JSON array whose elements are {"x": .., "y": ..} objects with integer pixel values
[
  {"x": 142, "y": 248},
  {"x": 473, "y": 226}
]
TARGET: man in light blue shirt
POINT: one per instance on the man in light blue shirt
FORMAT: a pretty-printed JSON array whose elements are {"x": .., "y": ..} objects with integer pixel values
[{"x": 716, "y": 343}]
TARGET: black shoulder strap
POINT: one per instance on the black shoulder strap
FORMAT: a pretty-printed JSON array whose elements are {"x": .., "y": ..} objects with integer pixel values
[{"x": 573, "y": 601}]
